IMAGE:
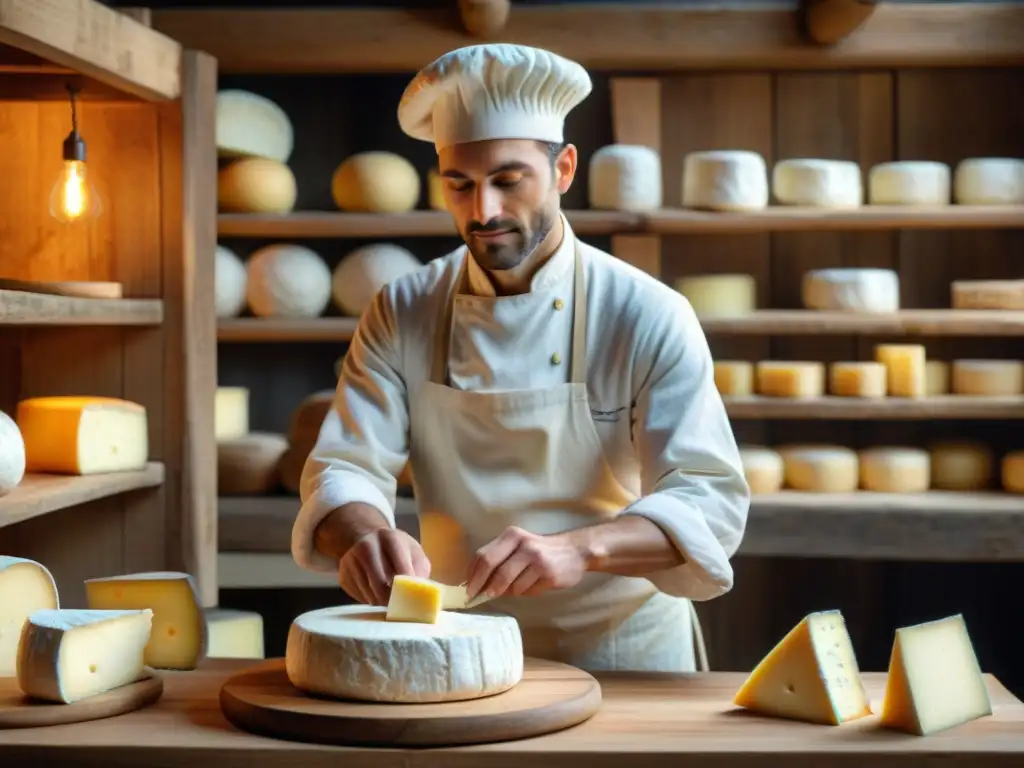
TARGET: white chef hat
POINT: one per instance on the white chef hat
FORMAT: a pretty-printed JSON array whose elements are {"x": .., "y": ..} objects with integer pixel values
[{"x": 494, "y": 91}]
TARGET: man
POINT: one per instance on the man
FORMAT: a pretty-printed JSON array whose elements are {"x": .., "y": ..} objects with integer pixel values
[{"x": 571, "y": 455}]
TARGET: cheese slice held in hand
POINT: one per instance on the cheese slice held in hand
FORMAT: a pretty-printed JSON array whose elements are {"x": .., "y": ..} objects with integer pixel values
[
  {"x": 70, "y": 655},
  {"x": 25, "y": 587},
  {"x": 811, "y": 675},
  {"x": 414, "y": 599}
]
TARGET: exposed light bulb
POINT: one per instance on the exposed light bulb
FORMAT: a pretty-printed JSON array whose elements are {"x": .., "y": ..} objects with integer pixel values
[{"x": 74, "y": 195}]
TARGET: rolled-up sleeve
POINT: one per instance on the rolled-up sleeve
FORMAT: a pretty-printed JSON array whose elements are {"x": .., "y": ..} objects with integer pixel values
[
  {"x": 693, "y": 483},
  {"x": 363, "y": 443}
]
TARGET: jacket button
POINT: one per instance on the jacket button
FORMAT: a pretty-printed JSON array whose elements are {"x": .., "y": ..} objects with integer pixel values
[
  {"x": 559, "y": 304},
  {"x": 556, "y": 359}
]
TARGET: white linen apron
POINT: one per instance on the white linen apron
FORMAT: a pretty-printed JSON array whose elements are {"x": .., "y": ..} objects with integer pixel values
[{"x": 485, "y": 461}]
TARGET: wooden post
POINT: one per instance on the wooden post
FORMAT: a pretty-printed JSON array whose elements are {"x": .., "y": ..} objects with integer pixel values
[
  {"x": 829, "y": 21},
  {"x": 142, "y": 15},
  {"x": 484, "y": 18}
]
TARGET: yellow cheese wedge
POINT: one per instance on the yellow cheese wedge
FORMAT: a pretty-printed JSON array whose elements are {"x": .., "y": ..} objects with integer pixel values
[
  {"x": 415, "y": 599},
  {"x": 811, "y": 675},
  {"x": 905, "y": 364},
  {"x": 83, "y": 435},
  {"x": 234, "y": 634},
  {"x": 178, "y": 640},
  {"x": 934, "y": 680},
  {"x": 25, "y": 587}
]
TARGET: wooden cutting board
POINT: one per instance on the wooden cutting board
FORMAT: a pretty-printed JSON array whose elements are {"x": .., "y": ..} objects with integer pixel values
[
  {"x": 19, "y": 711},
  {"x": 551, "y": 697}
]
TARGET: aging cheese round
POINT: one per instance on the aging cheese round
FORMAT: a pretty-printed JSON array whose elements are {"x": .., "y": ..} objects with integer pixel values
[
  {"x": 256, "y": 185},
  {"x": 895, "y": 469},
  {"x": 988, "y": 378},
  {"x": 308, "y": 417},
  {"x": 364, "y": 271},
  {"x": 821, "y": 468},
  {"x": 962, "y": 465},
  {"x": 734, "y": 378},
  {"x": 989, "y": 181},
  {"x": 229, "y": 283},
  {"x": 851, "y": 289},
  {"x": 289, "y": 469},
  {"x": 376, "y": 182},
  {"x": 625, "y": 177},
  {"x": 725, "y": 180},
  {"x": 858, "y": 379},
  {"x": 936, "y": 378},
  {"x": 249, "y": 465},
  {"x": 25, "y": 587},
  {"x": 910, "y": 182},
  {"x": 818, "y": 183},
  {"x": 353, "y": 652},
  {"x": 231, "y": 413},
  {"x": 435, "y": 190},
  {"x": 286, "y": 280},
  {"x": 763, "y": 469},
  {"x": 12, "y": 455},
  {"x": 790, "y": 378},
  {"x": 988, "y": 294},
  {"x": 252, "y": 125},
  {"x": 719, "y": 295},
  {"x": 1013, "y": 472}
]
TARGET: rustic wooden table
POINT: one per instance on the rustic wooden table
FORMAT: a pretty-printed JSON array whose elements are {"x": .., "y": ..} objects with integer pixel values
[{"x": 646, "y": 721}]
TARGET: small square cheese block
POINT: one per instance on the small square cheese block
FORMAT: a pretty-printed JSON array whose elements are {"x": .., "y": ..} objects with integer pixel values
[
  {"x": 988, "y": 294},
  {"x": 934, "y": 680},
  {"x": 763, "y": 469},
  {"x": 905, "y": 364},
  {"x": 1012, "y": 471},
  {"x": 231, "y": 413},
  {"x": 962, "y": 465},
  {"x": 719, "y": 296},
  {"x": 734, "y": 378},
  {"x": 811, "y": 675},
  {"x": 776, "y": 378},
  {"x": 234, "y": 634},
  {"x": 895, "y": 470},
  {"x": 178, "y": 640},
  {"x": 936, "y": 378},
  {"x": 25, "y": 587},
  {"x": 83, "y": 435},
  {"x": 858, "y": 380},
  {"x": 988, "y": 378},
  {"x": 820, "y": 468},
  {"x": 70, "y": 655},
  {"x": 415, "y": 599}
]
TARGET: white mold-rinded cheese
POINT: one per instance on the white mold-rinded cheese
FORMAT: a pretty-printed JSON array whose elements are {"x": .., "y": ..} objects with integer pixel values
[
  {"x": 353, "y": 652},
  {"x": 252, "y": 125},
  {"x": 851, "y": 289},
  {"x": 719, "y": 295},
  {"x": 625, "y": 177},
  {"x": 895, "y": 469},
  {"x": 763, "y": 468},
  {"x": 821, "y": 468},
  {"x": 229, "y": 283},
  {"x": 818, "y": 183},
  {"x": 12, "y": 454},
  {"x": 962, "y": 465},
  {"x": 988, "y": 378},
  {"x": 364, "y": 271},
  {"x": 286, "y": 280},
  {"x": 910, "y": 182},
  {"x": 25, "y": 587},
  {"x": 725, "y": 180},
  {"x": 989, "y": 181}
]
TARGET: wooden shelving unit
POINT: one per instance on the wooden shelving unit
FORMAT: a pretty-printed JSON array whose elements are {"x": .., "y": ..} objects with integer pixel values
[
  {"x": 24, "y": 308},
  {"x": 942, "y": 407}
]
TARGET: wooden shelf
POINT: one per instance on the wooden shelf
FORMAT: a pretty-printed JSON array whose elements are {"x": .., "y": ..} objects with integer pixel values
[
  {"x": 258, "y": 329},
  {"x": 23, "y": 308},
  {"x": 889, "y": 408},
  {"x": 39, "y": 495},
  {"x": 911, "y": 322}
]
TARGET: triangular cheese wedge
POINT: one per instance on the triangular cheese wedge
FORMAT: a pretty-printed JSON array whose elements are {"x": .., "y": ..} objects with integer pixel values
[
  {"x": 934, "y": 681},
  {"x": 811, "y": 675}
]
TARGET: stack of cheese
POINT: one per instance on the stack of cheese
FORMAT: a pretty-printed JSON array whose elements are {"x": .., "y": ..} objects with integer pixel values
[
  {"x": 248, "y": 463},
  {"x": 12, "y": 455},
  {"x": 934, "y": 680}
]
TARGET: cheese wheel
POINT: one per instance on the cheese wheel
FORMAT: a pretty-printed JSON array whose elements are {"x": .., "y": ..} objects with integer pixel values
[
  {"x": 376, "y": 182},
  {"x": 1013, "y": 472},
  {"x": 25, "y": 587},
  {"x": 763, "y": 469},
  {"x": 286, "y": 280},
  {"x": 435, "y": 190},
  {"x": 308, "y": 417},
  {"x": 895, "y": 470},
  {"x": 229, "y": 283},
  {"x": 252, "y": 125},
  {"x": 256, "y": 185},
  {"x": 989, "y": 181},
  {"x": 734, "y": 378},
  {"x": 625, "y": 177},
  {"x": 858, "y": 379},
  {"x": 936, "y": 376},
  {"x": 818, "y": 183},
  {"x": 12, "y": 455},
  {"x": 725, "y": 180},
  {"x": 988, "y": 378},
  {"x": 231, "y": 413},
  {"x": 905, "y": 368},
  {"x": 352, "y": 652},
  {"x": 289, "y": 469},
  {"x": 851, "y": 289},
  {"x": 913, "y": 182},
  {"x": 988, "y": 294},
  {"x": 719, "y": 295},
  {"x": 789, "y": 378},
  {"x": 364, "y": 271},
  {"x": 820, "y": 468},
  {"x": 248, "y": 465},
  {"x": 962, "y": 465}
]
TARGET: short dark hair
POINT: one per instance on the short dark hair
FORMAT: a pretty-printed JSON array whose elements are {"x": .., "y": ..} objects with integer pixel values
[{"x": 554, "y": 149}]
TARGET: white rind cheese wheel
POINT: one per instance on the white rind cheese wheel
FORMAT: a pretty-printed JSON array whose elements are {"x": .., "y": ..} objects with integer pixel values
[
  {"x": 818, "y": 183},
  {"x": 936, "y": 378},
  {"x": 763, "y": 469},
  {"x": 734, "y": 378},
  {"x": 252, "y": 125},
  {"x": 25, "y": 587},
  {"x": 988, "y": 294},
  {"x": 1013, "y": 472},
  {"x": 352, "y": 652},
  {"x": 895, "y": 470},
  {"x": 435, "y": 190},
  {"x": 912, "y": 182},
  {"x": 988, "y": 378},
  {"x": 286, "y": 280},
  {"x": 719, "y": 295},
  {"x": 858, "y": 379},
  {"x": 376, "y": 182},
  {"x": 851, "y": 289},
  {"x": 625, "y": 177},
  {"x": 229, "y": 283},
  {"x": 989, "y": 181},
  {"x": 255, "y": 185},
  {"x": 789, "y": 378},
  {"x": 249, "y": 465},
  {"x": 364, "y": 271},
  {"x": 962, "y": 465},
  {"x": 821, "y": 468},
  {"x": 12, "y": 455},
  {"x": 725, "y": 180}
]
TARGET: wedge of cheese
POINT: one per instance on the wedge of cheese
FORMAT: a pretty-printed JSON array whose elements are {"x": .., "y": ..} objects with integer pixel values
[
  {"x": 70, "y": 655},
  {"x": 178, "y": 640},
  {"x": 83, "y": 435},
  {"x": 415, "y": 599},
  {"x": 811, "y": 675},
  {"x": 234, "y": 634},
  {"x": 25, "y": 587}
]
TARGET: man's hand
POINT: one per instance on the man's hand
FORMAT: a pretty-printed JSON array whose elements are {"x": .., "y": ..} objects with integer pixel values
[
  {"x": 522, "y": 563},
  {"x": 366, "y": 570}
]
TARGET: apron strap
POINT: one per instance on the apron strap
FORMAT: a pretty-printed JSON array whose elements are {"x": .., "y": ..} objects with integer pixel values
[
  {"x": 698, "y": 640},
  {"x": 578, "y": 367}
]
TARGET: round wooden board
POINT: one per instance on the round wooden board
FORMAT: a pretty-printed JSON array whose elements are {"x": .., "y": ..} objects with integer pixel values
[
  {"x": 19, "y": 711},
  {"x": 550, "y": 697}
]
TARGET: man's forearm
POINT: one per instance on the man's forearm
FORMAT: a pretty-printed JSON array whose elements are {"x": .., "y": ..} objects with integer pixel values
[
  {"x": 628, "y": 546},
  {"x": 346, "y": 525}
]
